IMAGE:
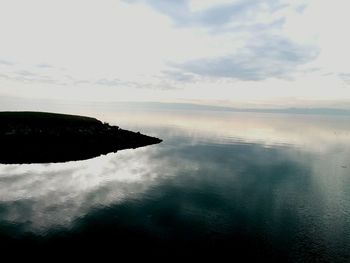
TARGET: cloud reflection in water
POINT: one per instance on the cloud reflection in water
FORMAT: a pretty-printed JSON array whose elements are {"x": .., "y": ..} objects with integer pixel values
[
  {"x": 276, "y": 182},
  {"x": 42, "y": 196}
]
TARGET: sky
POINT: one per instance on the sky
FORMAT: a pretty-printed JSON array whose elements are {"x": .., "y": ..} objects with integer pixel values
[{"x": 245, "y": 53}]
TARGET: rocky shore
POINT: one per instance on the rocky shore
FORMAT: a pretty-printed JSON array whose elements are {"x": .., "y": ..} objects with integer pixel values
[{"x": 39, "y": 137}]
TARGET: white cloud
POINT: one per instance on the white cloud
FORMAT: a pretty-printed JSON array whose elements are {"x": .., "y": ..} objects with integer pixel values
[
  {"x": 134, "y": 49},
  {"x": 199, "y": 5}
]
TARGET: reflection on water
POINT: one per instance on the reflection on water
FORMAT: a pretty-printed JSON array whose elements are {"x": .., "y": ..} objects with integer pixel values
[
  {"x": 276, "y": 185},
  {"x": 42, "y": 197}
]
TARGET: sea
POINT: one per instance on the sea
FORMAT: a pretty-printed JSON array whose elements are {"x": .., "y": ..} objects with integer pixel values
[{"x": 266, "y": 187}]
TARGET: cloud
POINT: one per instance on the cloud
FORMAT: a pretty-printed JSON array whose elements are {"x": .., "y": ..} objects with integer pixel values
[
  {"x": 252, "y": 28},
  {"x": 109, "y": 82},
  {"x": 30, "y": 76},
  {"x": 5, "y": 62},
  {"x": 25, "y": 73},
  {"x": 115, "y": 83},
  {"x": 174, "y": 49},
  {"x": 178, "y": 75},
  {"x": 177, "y": 10},
  {"x": 345, "y": 77},
  {"x": 272, "y": 57},
  {"x": 301, "y": 8},
  {"x": 214, "y": 16},
  {"x": 238, "y": 12},
  {"x": 259, "y": 48}
]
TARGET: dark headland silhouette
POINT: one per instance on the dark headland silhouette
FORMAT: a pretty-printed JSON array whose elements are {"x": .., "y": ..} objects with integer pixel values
[{"x": 41, "y": 137}]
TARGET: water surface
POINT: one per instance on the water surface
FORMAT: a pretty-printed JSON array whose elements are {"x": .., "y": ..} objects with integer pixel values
[{"x": 263, "y": 186}]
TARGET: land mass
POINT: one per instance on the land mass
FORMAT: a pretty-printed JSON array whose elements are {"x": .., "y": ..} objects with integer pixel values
[{"x": 41, "y": 137}]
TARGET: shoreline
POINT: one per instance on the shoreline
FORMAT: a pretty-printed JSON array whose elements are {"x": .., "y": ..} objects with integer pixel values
[{"x": 42, "y": 137}]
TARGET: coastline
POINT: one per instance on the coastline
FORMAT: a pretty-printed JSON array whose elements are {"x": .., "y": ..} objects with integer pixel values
[{"x": 42, "y": 137}]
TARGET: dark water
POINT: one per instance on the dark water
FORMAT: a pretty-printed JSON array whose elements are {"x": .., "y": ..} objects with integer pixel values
[{"x": 268, "y": 187}]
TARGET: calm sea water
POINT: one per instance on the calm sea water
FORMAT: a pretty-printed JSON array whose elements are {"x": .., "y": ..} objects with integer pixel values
[{"x": 270, "y": 187}]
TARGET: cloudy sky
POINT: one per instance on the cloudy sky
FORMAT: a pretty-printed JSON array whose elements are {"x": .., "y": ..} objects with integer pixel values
[{"x": 222, "y": 52}]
